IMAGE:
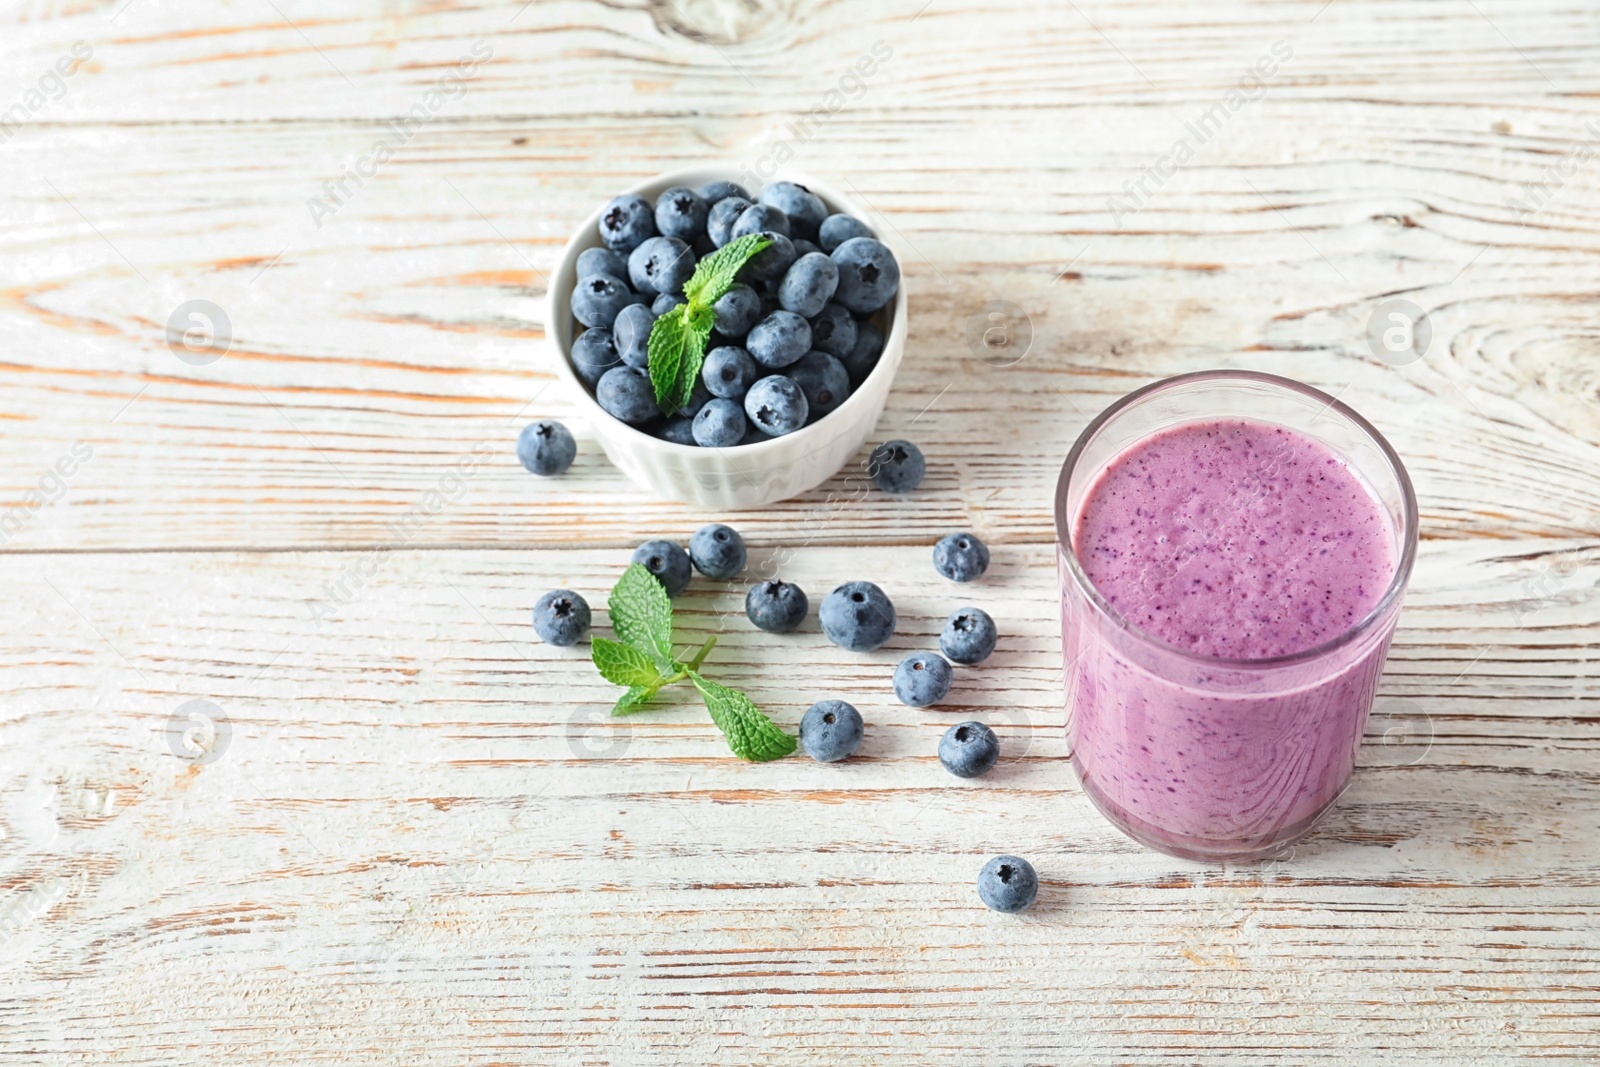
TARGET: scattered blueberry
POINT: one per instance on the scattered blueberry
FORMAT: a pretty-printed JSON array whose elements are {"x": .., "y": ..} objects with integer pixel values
[
  {"x": 823, "y": 380},
  {"x": 769, "y": 264},
  {"x": 661, "y": 265},
  {"x": 833, "y": 330},
  {"x": 857, "y": 616},
  {"x": 597, "y": 300},
  {"x": 960, "y": 557},
  {"x": 720, "y": 424},
  {"x": 775, "y": 606},
  {"x": 804, "y": 208},
  {"x": 593, "y": 353},
  {"x": 922, "y": 678},
  {"x": 868, "y": 274},
  {"x": 779, "y": 339},
  {"x": 864, "y": 356},
  {"x": 722, "y": 217},
  {"x": 667, "y": 561},
  {"x": 631, "y": 334},
  {"x": 681, "y": 213},
  {"x": 737, "y": 310},
  {"x": 808, "y": 285},
  {"x": 896, "y": 466},
  {"x": 759, "y": 218},
  {"x": 626, "y": 393},
  {"x": 776, "y": 406},
  {"x": 717, "y": 551},
  {"x": 593, "y": 261},
  {"x": 546, "y": 447},
  {"x": 627, "y": 222},
  {"x": 1008, "y": 883},
  {"x": 830, "y": 731},
  {"x": 665, "y": 302},
  {"x": 711, "y": 192},
  {"x": 679, "y": 430},
  {"x": 837, "y": 229},
  {"x": 561, "y": 617},
  {"x": 969, "y": 636},
  {"x": 968, "y": 749},
  {"x": 728, "y": 372}
]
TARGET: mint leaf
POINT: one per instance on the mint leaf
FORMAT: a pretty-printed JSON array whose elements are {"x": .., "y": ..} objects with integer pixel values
[
  {"x": 622, "y": 665},
  {"x": 641, "y": 614},
  {"x": 696, "y": 336},
  {"x": 632, "y": 700},
  {"x": 750, "y": 734},
  {"x": 668, "y": 337},
  {"x": 715, "y": 274}
]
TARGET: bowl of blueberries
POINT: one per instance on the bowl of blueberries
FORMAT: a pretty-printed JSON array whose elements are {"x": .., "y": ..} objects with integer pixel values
[{"x": 803, "y": 344}]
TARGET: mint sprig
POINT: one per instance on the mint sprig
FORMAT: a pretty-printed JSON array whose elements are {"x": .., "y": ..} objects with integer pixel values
[
  {"x": 677, "y": 346},
  {"x": 641, "y": 614}
]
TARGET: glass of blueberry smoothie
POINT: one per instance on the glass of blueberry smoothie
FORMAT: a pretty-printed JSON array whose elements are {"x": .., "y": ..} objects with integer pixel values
[{"x": 1233, "y": 548}]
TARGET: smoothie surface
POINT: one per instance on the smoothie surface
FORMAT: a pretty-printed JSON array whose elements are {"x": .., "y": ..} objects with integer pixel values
[{"x": 1236, "y": 539}]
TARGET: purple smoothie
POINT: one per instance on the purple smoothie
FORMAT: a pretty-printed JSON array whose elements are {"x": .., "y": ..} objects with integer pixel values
[{"x": 1230, "y": 540}]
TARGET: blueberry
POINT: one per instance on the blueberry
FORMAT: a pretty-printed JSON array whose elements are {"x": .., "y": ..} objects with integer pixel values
[
  {"x": 728, "y": 372},
  {"x": 779, "y": 339},
  {"x": 769, "y": 264},
  {"x": 631, "y": 334},
  {"x": 776, "y": 607},
  {"x": 808, "y": 285},
  {"x": 722, "y": 217},
  {"x": 667, "y": 561},
  {"x": 720, "y": 424},
  {"x": 679, "y": 430},
  {"x": 593, "y": 261},
  {"x": 830, "y": 731},
  {"x": 823, "y": 380},
  {"x": 864, "y": 356},
  {"x": 661, "y": 265},
  {"x": 896, "y": 466},
  {"x": 833, "y": 331},
  {"x": 681, "y": 213},
  {"x": 960, "y": 557},
  {"x": 1008, "y": 883},
  {"x": 626, "y": 393},
  {"x": 546, "y": 448},
  {"x": 593, "y": 353},
  {"x": 702, "y": 245},
  {"x": 737, "y": 311},
  {"x": 868, "y": 274},
  {"x": 627, "y": 222},
  {"x": 711, "y": 192},
  {"x": 857, "y": 616},
  {"x": 598, "y": 299},
  {"x": 837, "y": 229},
  {"x": 759, "y": 218},
  {"x": 776, "y": 406},
  {"x": 968, "y": 749},
  {"x": 804, "y": 208},
  {"x": 922, "y": 678},
  {"x": 665, "y": 302},
  {"x": 969, "y": 636},
  {"x": 803, "y": 247},
  {"x": 561, "y": 617},
  {"x": 717, "y": 551}
]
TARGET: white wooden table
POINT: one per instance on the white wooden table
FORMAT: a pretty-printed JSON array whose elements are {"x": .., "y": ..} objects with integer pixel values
[{"x": 421, "y": 842}]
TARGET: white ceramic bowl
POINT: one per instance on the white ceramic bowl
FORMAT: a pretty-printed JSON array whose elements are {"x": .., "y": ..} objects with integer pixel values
[{"x": 745, "y": 476}]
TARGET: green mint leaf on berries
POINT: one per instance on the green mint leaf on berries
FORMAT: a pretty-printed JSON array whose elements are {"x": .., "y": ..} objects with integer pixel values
[
  {"x": 641, "y": 615},
  {"x": 750, "y": 734},
  {"x": 677, "y": 345}
]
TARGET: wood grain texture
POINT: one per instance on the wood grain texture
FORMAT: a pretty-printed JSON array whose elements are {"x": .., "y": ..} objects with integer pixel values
[{"x": 423, "y": 842}]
